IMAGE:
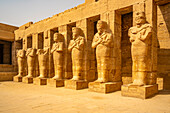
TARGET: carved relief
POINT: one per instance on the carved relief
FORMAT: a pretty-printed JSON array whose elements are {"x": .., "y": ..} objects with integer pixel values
[
  {"x": 140, "y": 37},
  {"x": 43, "y": 62},
  {"x": 76, "y": 46},
  {"x": 102, "y": 41},
  {"x": 21, "y": 62},
  {"x": 57, "y": 51},
  {"x": 31, "y": 55}
]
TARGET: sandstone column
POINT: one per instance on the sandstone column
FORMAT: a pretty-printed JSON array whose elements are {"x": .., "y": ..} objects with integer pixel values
[
  {"x": 103, "y": 42},
  {"x": 43, "y": 66},
  {"x": 76, "y": 47},
  {"x": 143, "y": 51},
  {"x": 21, "y": 65},
  {"x": 57, "y": 51}
]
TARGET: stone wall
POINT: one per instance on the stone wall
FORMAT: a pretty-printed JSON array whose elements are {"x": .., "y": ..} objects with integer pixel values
[
  {"x": 8, "y": 61},
  {"x": 163, "y": 24}
]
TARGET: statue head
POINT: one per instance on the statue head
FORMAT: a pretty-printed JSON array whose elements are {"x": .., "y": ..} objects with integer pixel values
[
  {"x": 58, "y": 37},
  {"x": 21, "y": 53},
  {"x": 101, "y": 26},
  {"x": 31, "y": 52},
  {"x": 140, "y": 18},
  {"x": 76, "y": 32}
]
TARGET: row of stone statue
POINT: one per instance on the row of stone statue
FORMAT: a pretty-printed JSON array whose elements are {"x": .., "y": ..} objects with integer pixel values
[{"x": 140, "y": 37}]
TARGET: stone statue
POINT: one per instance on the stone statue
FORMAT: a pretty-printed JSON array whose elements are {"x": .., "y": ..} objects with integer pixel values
[
  {"x": 76, "y": 46},
  {"x": 31, "y": 55},
  {"x": 102, "y": 41},
  {"x": 140, "y": 37},
  {"x": 21, "y": 62},
  {"x": 43, "y": 62},
  {"x": 57, "y": 51}
]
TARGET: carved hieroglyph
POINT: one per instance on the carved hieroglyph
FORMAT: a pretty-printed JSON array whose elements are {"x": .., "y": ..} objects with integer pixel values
[
  {"x": 140, "y": 37},
  {"x": 57, "y": 51},
  {"x": 31, "y": 56},
  {"x": 21, "y": 62},
  {"x": 102, "y": 42},
  {"x": 76, "y": 46},
  {"x": 43, "y": 62}
]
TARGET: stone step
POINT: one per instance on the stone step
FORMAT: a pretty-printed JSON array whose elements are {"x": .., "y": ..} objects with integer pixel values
[
  {"x": 7, "y": 76},
  {"x": 6, "y": 68}
]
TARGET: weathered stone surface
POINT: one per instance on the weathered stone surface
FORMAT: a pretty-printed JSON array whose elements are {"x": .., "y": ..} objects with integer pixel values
[
  {"x": 75, "y": 84},
  {"x": 142, "y": 92},
  {"x": 17, "y": 78},
  {"x": 40, "y": 81},
  {"x": 27, "y": 80},
  {"x": 55, "y": 82},
  {"x": 107, "y": 87}
]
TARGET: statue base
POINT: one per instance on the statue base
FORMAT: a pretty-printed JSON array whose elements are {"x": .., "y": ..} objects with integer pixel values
[
  {"x": 142, "y": 92},
  {"x": 76, "y": 84},
  {"x": 40, "y": 81},
  {"x": 17, "y": 79},
  {"x": 55, "y": 83},
  {"x": 27, "y": 80},
  {"x": 107, "y": 87}
]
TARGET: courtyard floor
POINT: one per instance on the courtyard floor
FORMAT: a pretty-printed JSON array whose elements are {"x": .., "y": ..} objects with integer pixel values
[{"x": 28, "y": 98}]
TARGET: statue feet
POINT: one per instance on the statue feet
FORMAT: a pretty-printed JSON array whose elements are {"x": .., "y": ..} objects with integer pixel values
[
  {"x": 19, "y": 75},
  {"x": 57, "y": 77},
  {"x": 101, "y": 80},
  {"x": 138, "y": 82},
  {"x": 41, "y": 76},
  {"x": 75, "y": 78},
  {"x": 29, "y": 76}
]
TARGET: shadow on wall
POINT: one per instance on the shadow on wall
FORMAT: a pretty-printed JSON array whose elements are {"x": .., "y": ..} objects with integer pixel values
[{"x": 163, "y": 25}]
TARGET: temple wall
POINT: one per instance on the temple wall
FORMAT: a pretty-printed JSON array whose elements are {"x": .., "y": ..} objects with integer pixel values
[
  {"x": 163, "y": 24},
  {"x": 84, "y": 16}
]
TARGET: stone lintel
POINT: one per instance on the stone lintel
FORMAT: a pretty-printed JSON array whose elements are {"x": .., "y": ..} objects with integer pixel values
[
  {"x": 142, "y": 92},
  {"x": 17, "y": 79},
  {"x": 107, "y": 87},
  {"x": 27, "y": 80},
  {"x": 76, "y": 84},
  {"x": 40, "y": 81},
  {"x": 55, "y": 83}
]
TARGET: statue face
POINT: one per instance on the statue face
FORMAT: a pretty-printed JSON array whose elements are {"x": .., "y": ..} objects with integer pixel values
[
  {"x": 56, "y": 37},
  {"x": 75, "y": 32},
  {"x": 140, "y": 18},
  {"x": 100, "y": 27}
]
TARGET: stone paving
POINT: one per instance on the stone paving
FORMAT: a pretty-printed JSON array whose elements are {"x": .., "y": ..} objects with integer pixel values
[{"x": 28, "y": 98}]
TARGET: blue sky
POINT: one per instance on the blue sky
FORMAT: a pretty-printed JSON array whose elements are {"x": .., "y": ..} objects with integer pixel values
[{"x": 19, "y": 12}]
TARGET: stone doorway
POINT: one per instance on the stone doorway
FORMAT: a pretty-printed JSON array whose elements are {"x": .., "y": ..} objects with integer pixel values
[
  {"x": 1, "y": 53},
  {"x": 126, "y": 72}
]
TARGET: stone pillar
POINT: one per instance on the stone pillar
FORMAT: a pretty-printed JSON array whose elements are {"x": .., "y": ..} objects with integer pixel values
[
  {"x": 113, "y": 81},
  {"x": 144, "y": 57},
  {"x": 31, "y": 57},
  {"x": 57, "y": 51},
  {"x": 43, "y": 59},
  {"x": 21, "y": 65},
  {"x": 65, "y": 30},
  {"x": 76, "y": 47}
]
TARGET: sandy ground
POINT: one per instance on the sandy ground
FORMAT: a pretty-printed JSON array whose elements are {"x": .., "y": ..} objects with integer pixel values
[{"x": 28, "y": 98}]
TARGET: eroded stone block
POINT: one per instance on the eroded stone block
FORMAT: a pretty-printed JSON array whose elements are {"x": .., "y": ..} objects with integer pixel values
[
  {"x": 55, "y": 83},
  {"x": 142, "y": 92},
  {"x": 17, "y": 79},
  {"x": 27, "y": 80},
  {"x": 76, "y": 84},
  {"x": 105, "y": 87},
  {"x": 39, "y": 81}
]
